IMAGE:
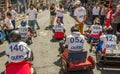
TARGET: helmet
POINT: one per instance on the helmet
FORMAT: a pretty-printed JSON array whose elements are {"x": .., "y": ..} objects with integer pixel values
[
  {"x": 15, "y": 36},
  {"x": 23, "y": 23},
  {"x": 58, "y": 20},
  {"x": 74, "y": 29}
]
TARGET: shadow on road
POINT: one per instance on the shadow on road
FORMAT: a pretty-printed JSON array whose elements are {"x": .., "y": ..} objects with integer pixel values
[
  {"x": 106, "y": 69},
  {"x": 2, "y": 53},
  {"x": 78, "y": 72},
  {"x": 58, "y": 62},
  {"x": 110, "y": 72}
]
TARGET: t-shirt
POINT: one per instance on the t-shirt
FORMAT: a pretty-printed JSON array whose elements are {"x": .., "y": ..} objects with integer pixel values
[
  {"x": 96, "y": 29},
  {"x": 17, "y": 51},
  {"x": 23, "y": 30},
  {"x": 53, "y": 12},
  {"x": 80, "y": 13},
  {"x": 32, "y": 14},
  {"x": 109, "y": 42},
  {"x": 58, "y": 28},
  {"x": 109, "y": 15},
  {"x": 13, "y": 12},
  {"x": 60, "y": 12},
  {"x": 95, "y": 11},
  {"x": 8, "y": 23},
  {"x": 75, "y": 42}
]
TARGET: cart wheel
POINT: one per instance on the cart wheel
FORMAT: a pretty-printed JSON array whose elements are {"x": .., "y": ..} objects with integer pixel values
[
  {"x": 98, "y": 58},
  {"x": 53, "y": 39},
  {"x": 61, "y": 46},
  {"x": 92, "y": 61},
  {"x": 64, "y": 38},
  {"x": 96, "y": 46},
  {"x": 2, "y": 41},
  {"x": 91, "y": 46},
  {"x": 64, "y": 66},
  {"x": 34, "y": 71},
  {"x": 88, "y": 41}
]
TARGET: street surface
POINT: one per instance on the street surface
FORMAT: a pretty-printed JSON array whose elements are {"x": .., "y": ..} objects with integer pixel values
[{"x": 46, "y": 59}]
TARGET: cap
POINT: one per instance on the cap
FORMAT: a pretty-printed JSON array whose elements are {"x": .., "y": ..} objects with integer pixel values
[{"x": 77, "y": 2}]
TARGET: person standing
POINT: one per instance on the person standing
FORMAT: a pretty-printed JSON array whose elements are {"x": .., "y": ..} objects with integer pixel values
[
  {"x": 36, "y": 22},
  {"x": 102, "y": 14},
  {"x": 0, "y": 15},
  {"x": 13, "y": 13},
  {"x": 80, "y": 16},
  {"x": 116, "y": 20},
  {"x": 32, "y": 14},
  {"x": 95, "y": 12},
  {"x": 52, "y": 15},
  {"x": 109, "y": 16},
  {"x": 60, "y": 12},
  {"x": 7, "y": 25}
]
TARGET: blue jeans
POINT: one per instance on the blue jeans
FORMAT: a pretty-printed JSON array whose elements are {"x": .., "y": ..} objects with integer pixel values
[
  {"x": 99, "y": 46},
  {"x": 37, "y": 24},
  {"x": 102, "y": 18},
  {"x": 32, "y": 23}
]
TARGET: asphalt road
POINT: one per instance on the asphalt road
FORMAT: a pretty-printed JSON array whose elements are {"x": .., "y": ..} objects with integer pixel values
[{"x": 46, "y": 59}]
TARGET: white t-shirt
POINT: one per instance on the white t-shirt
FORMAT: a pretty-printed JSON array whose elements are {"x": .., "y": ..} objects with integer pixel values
[
  {"x": 17, "y": 51},
  {"x": 75, "y": 42},
  {"x": 80, "y": 13},
  {"x": 95, "y": 11},
  {"x": 60, "y": 12},
  {"x": 8, "y": 23},
  {"x": 109, "y": 42},
  {"x": 96, "y": 29},
  {"x": 32, "y": 14},
  {"x": 23, "y": 30},
  {"x": 58, "y": 28},
  {"x": 13, "y": 12}
]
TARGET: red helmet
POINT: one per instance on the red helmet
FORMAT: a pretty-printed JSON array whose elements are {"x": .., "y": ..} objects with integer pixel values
[{"x": 58, "y": 20}]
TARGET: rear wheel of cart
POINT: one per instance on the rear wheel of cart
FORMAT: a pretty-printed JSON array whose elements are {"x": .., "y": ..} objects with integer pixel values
[
  {"x": 64, "y": 66},
  {"x": 99, "y": 58}
]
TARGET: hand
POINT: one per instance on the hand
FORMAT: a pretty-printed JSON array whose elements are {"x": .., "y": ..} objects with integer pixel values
[{"x": 81, "y": 22}]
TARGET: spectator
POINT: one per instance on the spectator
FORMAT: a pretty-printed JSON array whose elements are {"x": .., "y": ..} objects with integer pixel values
[
  {"x": 36, "y": 22},
  {"x": 60, "y": 12},
  {"x": 32, "y": 13},
  {"x": 111, "y": 3},
  {"x": 52, "y": 15},
  {"x": 116, "y": 20},
  {"x": 7, "y": 25},
  {"x": 13, "y": 13},
  {"x": 80, "y": 16},
  {"x": 102, "y": 14},
  {"x": 0, "y": 15},
  {"x": 95, "y": 11},
  {"x": 109, "y": 16}
]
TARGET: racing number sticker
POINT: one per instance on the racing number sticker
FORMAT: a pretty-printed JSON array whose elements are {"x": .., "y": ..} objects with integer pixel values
[{"x": 76, "y": 40}]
